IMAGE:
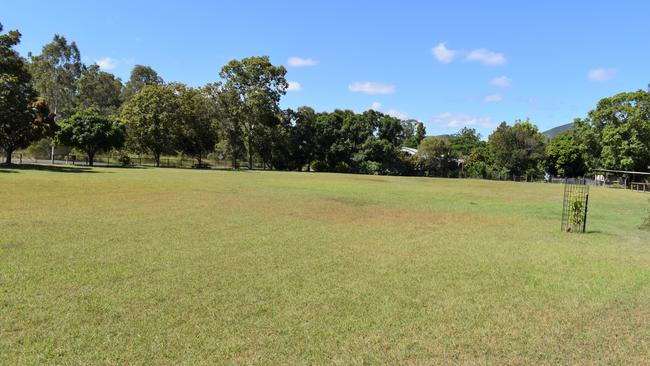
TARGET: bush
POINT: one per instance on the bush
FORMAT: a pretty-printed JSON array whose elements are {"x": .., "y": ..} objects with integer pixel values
[
  {"x": 319, "y": 166},
  {"x": 124, "y": 159}
]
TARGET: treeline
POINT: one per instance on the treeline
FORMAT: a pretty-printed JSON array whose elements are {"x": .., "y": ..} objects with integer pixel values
[{"x": 54, "y": 99}]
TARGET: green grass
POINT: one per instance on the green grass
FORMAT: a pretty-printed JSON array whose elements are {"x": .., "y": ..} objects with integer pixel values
[{"x": 170, "y": 266}]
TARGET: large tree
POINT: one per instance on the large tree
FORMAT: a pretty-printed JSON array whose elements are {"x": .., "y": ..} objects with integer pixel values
[
  {"x": 565, "y": 155},
  {"x": 99, "y": 89},
  {"x": 91, "y": 132},
  {"x": 56, "y": 71},
  {"x": 254, "y": 87},
  {"x": 150, "y": 117},
  {"x": 435, "y": 156},
  {"x": 616, "y": 134},
  {"x": 23, "y": 118},
  {"x": 518, "y": 149},
  {"x": 466, "y": 141},
  {"x": 140, "y": 76},
  {"x": 196, "y": 129}
]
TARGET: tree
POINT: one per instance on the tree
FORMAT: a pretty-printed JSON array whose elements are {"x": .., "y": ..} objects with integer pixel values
[
  {"x": 519, "y": 149},
  {"x": 196, "y": 132},
  {"x": 91, "y": 132},
  {"x": 435, "y": 155},
  {"x": 99, "y": 89},
  {"x": 565, "y": 156},
  {"x": 140, "y": 76},
  {"x": 465, "y": 141},
  {"x": 56, "y": 71},
  {"x": 254, "y": 86},
  {"x": 414, "y": 133},
  {"x": 23, "y": 118},
  {"x": 150, "y": 117},
  {"x": 616, "y": 135}
]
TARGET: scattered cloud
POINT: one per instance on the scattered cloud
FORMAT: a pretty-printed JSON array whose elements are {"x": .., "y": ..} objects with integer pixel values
[
  {"x": 301, "y": 62},
  {"x": 453, "y": 120},
  {"x": 502, "y": 82},
  {"x": 492, "y": 98},
  {"x": 602, "y": 74},
  {"x": 370, "y": 87},
  {"x": 443, "y": 54},
  {"x": 397, "y": 114},
  {"x": 294, "y": 86},
  {"x": 486, "y": 57},
  {"x": 376, "y": 106},
  {"x": 107, "y": 63}
]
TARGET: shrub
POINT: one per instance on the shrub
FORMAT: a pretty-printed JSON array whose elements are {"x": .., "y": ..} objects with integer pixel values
[
  {"x": 577, "y": 214},
  {"x": 319, "y": 166},
  {"x": 124, "y": 159}
]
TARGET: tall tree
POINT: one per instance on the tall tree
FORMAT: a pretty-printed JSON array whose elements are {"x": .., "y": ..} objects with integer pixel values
[
  {"x": 196, "y": 130},
  {"x": 258, "y": 86},
  {"x": 23, "y": 118},
  {"x": 435, "y": 155},
  {"x": 56, "y": 71},
  {"x": 99, "y": 89},
  {"x": 617, "y": 133},
  {"x": 565, "y": 155},
  {"x": 465, "y": 141},
  {"x": 140, "y": 76},
  {"x": 150, "y": 117},
  {"x": 519, "y": 149},
  {"x": 91, "y": 132}
]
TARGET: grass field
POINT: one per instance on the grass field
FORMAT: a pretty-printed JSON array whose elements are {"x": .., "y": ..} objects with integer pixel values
[{"x": 170, "y": 266}]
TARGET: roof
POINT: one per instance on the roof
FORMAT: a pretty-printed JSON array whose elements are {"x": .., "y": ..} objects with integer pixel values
[{"x": 620, "y": 171}]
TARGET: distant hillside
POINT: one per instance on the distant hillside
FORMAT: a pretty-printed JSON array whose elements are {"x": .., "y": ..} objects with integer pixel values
[{"x": 557, "y": 130}]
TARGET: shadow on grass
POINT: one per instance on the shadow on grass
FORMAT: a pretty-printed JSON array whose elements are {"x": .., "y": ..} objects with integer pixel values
[{"x": 15, "y": 168}]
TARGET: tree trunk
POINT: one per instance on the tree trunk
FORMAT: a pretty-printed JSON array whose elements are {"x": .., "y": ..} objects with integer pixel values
[
  {"x": 91, "y": 159},
  {"x": 156, "y": 157},
  {"x": 9, "y": 153},
  {"x": 250, "y": 150}
]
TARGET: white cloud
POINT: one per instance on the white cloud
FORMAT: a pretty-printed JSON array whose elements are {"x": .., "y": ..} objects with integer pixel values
[
  {"x": 453, "y": 120},
  {"x": 107, "y": 63},
  {"x": 370, "y": 87},
  {"x": 491, "y": 98},
  {"x": 502, "y": 82},
  {"x": 294, "y": 86},
  {"x": 486, "y": 57},
  {"x": 601, "y": 74},
  {"x": 301, "y": 62},
  {"x": 443, "y": 54},
  {"x": 376, "y": 106},
  {"x": 397, "y": 114}
]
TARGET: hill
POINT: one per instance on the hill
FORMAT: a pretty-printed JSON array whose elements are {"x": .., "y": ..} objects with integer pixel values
[{"x": 558, "y": 130}]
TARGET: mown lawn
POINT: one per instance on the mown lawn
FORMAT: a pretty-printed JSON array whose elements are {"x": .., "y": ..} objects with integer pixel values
[{"x": 171, "y": 266}]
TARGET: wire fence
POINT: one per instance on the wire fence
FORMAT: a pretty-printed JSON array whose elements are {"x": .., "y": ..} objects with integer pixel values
[{"x": 575, "y": 206}]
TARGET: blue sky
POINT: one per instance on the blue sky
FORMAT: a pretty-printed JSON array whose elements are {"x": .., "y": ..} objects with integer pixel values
[{"x": 448, "y": 64}]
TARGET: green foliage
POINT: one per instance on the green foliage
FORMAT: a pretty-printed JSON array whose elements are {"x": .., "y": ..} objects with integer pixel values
[
  {"x": 519, "y": 149},
  {"x": 566, "y": 156},
  {"x": 91, "y": 132},
  {"x": 576, "y": 214},
  {"x": 56, "y": 72},
  {"x": 252, "y": 88},
  {"x": 196, "y": 130},
  {"x": 124, "y": 159},
  {"x": 466, "y": 141},
  {"x": 150, "y": 117},
  {"x": 435, "y": 156},
  {"x": 23, "y": 118},
  {"x": 140, "y": 77},
  {"x": 616, "y": 134},
  {"x": 99, "y": 89}
]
